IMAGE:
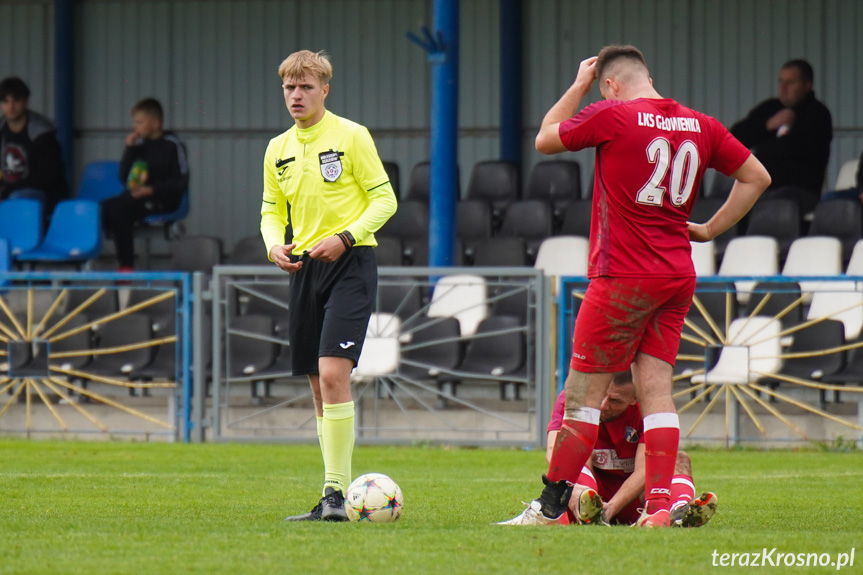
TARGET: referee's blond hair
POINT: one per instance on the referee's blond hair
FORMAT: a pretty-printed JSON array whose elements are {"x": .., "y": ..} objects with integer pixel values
[{"x": 300, "y": 63}]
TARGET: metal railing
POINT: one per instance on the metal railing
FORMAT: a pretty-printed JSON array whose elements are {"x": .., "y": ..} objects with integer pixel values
[{"x": 416, "y": 399}]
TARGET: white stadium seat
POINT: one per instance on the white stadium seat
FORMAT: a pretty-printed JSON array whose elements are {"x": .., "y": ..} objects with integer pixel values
[
  {"x": 563, "y": 256},
  {"x": 381, "y": 350},
  {"x": 813, "y": 256},
  {"x": 704, "y": 258},
  {"x": 839, "y": 301},
  {"x": 847, "y": 177},
  {"x": 750, "y": 256},
  {"x": 752, "y": 346},
  {"x": 462, "y": 297}
]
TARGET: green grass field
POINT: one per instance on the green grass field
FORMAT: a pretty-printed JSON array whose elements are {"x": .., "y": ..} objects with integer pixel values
[{"x": 156, "y": 508}]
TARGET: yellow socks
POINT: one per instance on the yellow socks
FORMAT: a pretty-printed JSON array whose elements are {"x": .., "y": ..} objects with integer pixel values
[
  {"x": 320, "y": 432},
  {"x": 337, "y": 444}
]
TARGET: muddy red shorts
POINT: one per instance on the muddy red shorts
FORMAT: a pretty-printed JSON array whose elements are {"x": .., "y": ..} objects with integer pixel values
[{"x": 622, "y": 316}]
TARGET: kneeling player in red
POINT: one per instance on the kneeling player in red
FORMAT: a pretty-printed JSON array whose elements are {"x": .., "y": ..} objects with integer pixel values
[{"x": 610, "y": 488}]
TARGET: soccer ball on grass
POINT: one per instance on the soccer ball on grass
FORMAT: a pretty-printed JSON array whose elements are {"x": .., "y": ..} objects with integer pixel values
[{"x": 375, "y": 498}]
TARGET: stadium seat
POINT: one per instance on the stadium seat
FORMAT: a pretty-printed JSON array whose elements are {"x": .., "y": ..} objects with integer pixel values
[
  {"x": 753, "y": 349},
  {"x": 782, "y": 295},
  {"x": 512, "y": 300},
  {"x": 855, "y": 264},
  {"x": 283, "y": 365},
  {"x": 402, "y": 298},
  {"x": 410, "y": 224},
  {"x": 847, "y": 176},
  {"x": 576, "y": 219},
  {"x": 531, "y": 220},
  {"x": 714, "y": 298},
  {"x": 249, "y": 251},
  {"x": 164, "y": 364},
  {"x": 382, "y": 349},
  {"x": 104, "y": 305},
  {"x": 130, "y": 329},
  {"x": 750, "y": 256},
  {"x": 563, "y": 256},
  {"x": 496, "y": 182},
  {"x": 269, "y": 299},
  {"x": 498, "y": 350},
  {"x": 100, "y": 181},
  {"x": 389, "y": 251},
  {"x": 703, "y": 258},
  {"x": 74, "y": 235},
  {"x": 842, "y": 219},
  {"x": 249, "y": 346},
  {"x": 815, "y": 339},
  {"x": 419, "y": 183},
  {"x": 168, "y": 225},
  {"x": 196, "y": 254},
  {"x": 394, "y": 174},
  {"x": 462, "y": 297},
  {"x": 778, "y": 219},
  {"x": 501, "y": 252},
  {"x": 434, "y": 350},
  {"x": 81, "y": 341},
  {"x": 557, "y": 182},
  {"x": 813, "y": 257},
  {"x": 21, "y": 225},
  {"x": 845, "y": 306},
  {"x": 852, "y": 373},
  {"x": 473, "y": 224}
]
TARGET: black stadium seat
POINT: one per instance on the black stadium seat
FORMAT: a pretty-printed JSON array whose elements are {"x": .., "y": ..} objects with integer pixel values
[
  {"x": 531, "y": 220},
  {"x": 840, "y": 219},
  {"x": 495, "y": 182},
  {"x": 556, "y": 181},
  {"x": 779, "y": 219}
]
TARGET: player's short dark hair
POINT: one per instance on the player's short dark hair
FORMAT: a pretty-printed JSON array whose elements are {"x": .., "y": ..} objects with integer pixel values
[
  {"x": 804, "y": 67},
  {"x": 615, "y": 52},
  {"x": 623, "y": 377},
  {"x": 149, "y": 106},
  {"x": 15, "y": 87}
]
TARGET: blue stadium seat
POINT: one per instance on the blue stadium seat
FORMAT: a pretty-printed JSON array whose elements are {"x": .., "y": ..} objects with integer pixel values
[
  {"x": 75, "y": 234},
  {"x": 179, "y": 214},
  {"x": 21, "y": 224},
  {"x": 100, "y": 181}
]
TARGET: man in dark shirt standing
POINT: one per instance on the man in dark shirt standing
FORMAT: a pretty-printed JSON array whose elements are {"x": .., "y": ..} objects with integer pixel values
[
  {"x": 155, "y": 171},
  {"x": 31, "y": 162},
  {"x": 791, "y": 136}
]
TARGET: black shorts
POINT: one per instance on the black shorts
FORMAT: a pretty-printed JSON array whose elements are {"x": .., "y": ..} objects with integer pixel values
[{"x": 331, "y": 303}]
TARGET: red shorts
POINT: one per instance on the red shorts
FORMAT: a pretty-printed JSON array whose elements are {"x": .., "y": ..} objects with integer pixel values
[{"x": 621, "y": 316}]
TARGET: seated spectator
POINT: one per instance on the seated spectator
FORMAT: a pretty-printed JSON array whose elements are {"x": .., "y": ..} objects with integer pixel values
[
  {"x": 155, "y": 171},
  {"x": 791, "y": 136},
  {"x": 31, "y": 162}
]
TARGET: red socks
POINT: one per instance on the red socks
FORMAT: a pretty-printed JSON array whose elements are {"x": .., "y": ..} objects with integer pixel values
[
  {"x": 574, "y": 445},
  {"x": 682, "y": 490},
  {"x": 661, "y": 436}
]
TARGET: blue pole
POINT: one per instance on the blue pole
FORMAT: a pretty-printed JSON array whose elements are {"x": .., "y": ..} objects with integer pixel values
[
  {"x": 64, "y": 105},
  {"x": 444, "y": 136},
  {"x": 510, "y": 80}
]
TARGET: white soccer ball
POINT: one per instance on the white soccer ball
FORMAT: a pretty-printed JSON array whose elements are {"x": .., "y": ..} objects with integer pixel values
[{"x": 374, "y": 497}]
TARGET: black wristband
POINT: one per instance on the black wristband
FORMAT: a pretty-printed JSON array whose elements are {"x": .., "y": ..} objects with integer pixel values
[
  {"x": 345, "y": 242},
  {"x": 350, "y": 238}
]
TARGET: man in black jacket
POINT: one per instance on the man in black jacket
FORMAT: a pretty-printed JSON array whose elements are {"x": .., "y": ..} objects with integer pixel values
[
  {"x": 791, "y": 136},
  {"x": 155, "y": 171},
  {"x": 31, "y": 163}
]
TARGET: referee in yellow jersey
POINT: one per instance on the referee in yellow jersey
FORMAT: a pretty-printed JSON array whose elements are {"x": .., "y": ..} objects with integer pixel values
[{"x": 328, "y": 170}]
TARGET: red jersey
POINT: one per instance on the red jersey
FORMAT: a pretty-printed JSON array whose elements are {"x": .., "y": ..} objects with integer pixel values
[
  {"x": 618, "y": 439},
  {"x": 651, "y": 155}
]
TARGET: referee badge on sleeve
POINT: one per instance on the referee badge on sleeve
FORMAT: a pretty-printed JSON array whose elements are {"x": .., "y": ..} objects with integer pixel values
[{"x": 331, "y": 165}]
